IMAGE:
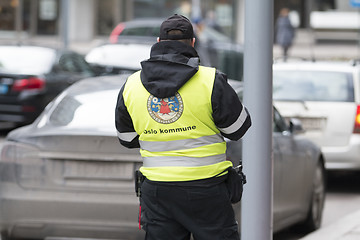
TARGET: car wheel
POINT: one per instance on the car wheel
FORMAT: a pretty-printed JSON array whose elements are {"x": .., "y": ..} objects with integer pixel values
[
  {"x": 4, "y": 236},
  {"x": 314, "y": 216}
]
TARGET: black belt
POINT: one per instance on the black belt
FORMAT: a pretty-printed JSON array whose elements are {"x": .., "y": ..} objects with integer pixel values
[{"x": 193, "y": 183}]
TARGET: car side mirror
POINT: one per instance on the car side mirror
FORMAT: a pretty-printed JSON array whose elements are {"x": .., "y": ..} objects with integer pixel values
[{"x": 296, "y": 126}]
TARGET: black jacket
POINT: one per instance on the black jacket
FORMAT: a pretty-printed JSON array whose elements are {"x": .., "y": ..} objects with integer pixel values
[{"x": 171, "y": 65}]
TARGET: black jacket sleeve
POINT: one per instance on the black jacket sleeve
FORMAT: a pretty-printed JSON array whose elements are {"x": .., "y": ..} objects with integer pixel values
[
  {"x": 124, "y": 125},
  {"x": 230, "y": 116}
]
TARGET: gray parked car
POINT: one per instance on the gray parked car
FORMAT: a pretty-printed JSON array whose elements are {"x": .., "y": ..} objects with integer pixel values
[{"x": 66, "y": 175}]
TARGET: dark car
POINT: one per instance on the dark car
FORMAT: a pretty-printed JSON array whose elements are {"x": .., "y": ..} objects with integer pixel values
[
  {"x": 66, "y": 174},
  {"x": 215, "y": 49},
  {"x": 31, "y": 76}
]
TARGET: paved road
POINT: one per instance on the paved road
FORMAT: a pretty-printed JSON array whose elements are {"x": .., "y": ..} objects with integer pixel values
[{"x": 342, "y": 198}]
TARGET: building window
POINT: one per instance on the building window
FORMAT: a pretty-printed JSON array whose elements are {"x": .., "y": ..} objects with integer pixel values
[
  {"x": 7, "y": 14},
  {"x": 48, "y": 15},
  {"x": 105, "y": 16}
]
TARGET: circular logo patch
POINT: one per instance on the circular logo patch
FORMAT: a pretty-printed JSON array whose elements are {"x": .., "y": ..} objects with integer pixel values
[{"x": 165, "y": 110}]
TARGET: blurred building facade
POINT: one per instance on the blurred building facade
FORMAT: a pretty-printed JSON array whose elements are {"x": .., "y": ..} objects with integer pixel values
[{"x": 92, "y": 18}]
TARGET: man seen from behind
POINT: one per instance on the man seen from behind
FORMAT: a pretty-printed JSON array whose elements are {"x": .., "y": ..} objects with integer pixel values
[{"x": 178, "y": 113}]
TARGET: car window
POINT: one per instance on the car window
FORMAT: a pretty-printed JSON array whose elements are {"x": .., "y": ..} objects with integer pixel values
[
  {"x": 313, "y": 86},
  {"x": 29, "y": 60},
  {"x": 141, "y": 31},
  {"x": 86, "y": 111},
  {"x": 279, "y": 123},
  {"x": 229, "y": 62},
  {"x": 74, "y": 63}
]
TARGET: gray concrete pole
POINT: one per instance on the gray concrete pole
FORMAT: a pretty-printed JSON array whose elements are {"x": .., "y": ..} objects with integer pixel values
[
  {"x": 18, "y": 21},
  {"x": 65, "y": 23},
  {"x": 33, "y": 18},
  {"x": 240, "y": 18},
  {"x": 256, "y": 209}
]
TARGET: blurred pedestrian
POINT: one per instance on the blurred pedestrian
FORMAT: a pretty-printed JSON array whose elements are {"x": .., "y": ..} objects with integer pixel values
[
  {"x": 224, "y": 16},
  {"x": 184, "y": 9},
  {"x": 178, "y": 113},
  {"x": 210, "y": 21},
  {"x": 285, "y": 32}
]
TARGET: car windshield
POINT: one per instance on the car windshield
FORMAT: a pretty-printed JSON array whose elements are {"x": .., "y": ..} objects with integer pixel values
[
  {"x": 27, "y": 60},
  {"x": 93, "y": 110},
  {"x": 312, "y": 86}
]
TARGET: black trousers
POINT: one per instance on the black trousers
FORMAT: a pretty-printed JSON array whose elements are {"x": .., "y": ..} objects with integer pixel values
[{"x": 171, "y": 212}]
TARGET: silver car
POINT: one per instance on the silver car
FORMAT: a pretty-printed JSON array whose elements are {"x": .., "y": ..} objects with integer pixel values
[
  {"x": 66, "y": 175},
  {"x": 325, "y": 96}
]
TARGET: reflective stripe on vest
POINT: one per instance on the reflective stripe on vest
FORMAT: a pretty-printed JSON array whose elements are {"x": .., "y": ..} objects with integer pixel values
[
  {"x": 177, "y": 132},
  {"x": 237, "y": 124},
  {"x": 127, "y": 136},
  {"x": 161, "y": 146},
  {"x": 168, "y": 161}
]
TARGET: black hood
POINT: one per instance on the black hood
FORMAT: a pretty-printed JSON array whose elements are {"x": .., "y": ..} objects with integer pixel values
[{"x": 171, "y": 65}]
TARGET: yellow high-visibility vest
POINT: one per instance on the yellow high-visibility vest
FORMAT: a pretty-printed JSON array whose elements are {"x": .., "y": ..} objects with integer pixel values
[{"x": 178, "y": 137}]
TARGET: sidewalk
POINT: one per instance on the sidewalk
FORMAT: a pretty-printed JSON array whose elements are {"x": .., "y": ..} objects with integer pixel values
[
  {"x": 306, "y": 47},
  {"x": 346, "y": 228}
]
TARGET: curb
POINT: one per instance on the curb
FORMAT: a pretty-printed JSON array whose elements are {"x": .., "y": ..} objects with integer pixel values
[{"x": 347, "y": 228}]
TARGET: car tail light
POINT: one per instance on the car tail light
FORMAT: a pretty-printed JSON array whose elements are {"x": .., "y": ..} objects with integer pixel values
[
  {"x": 24, "y": 163},
  {"x": 28, "y": 108},
  {"x": 116, "y": 32},
  {"x": 357, "y": 120},
  {"x": 28, "y": 83},
  {"x": 7, "y": 153},
  {"x": 20, "y": 153}
]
